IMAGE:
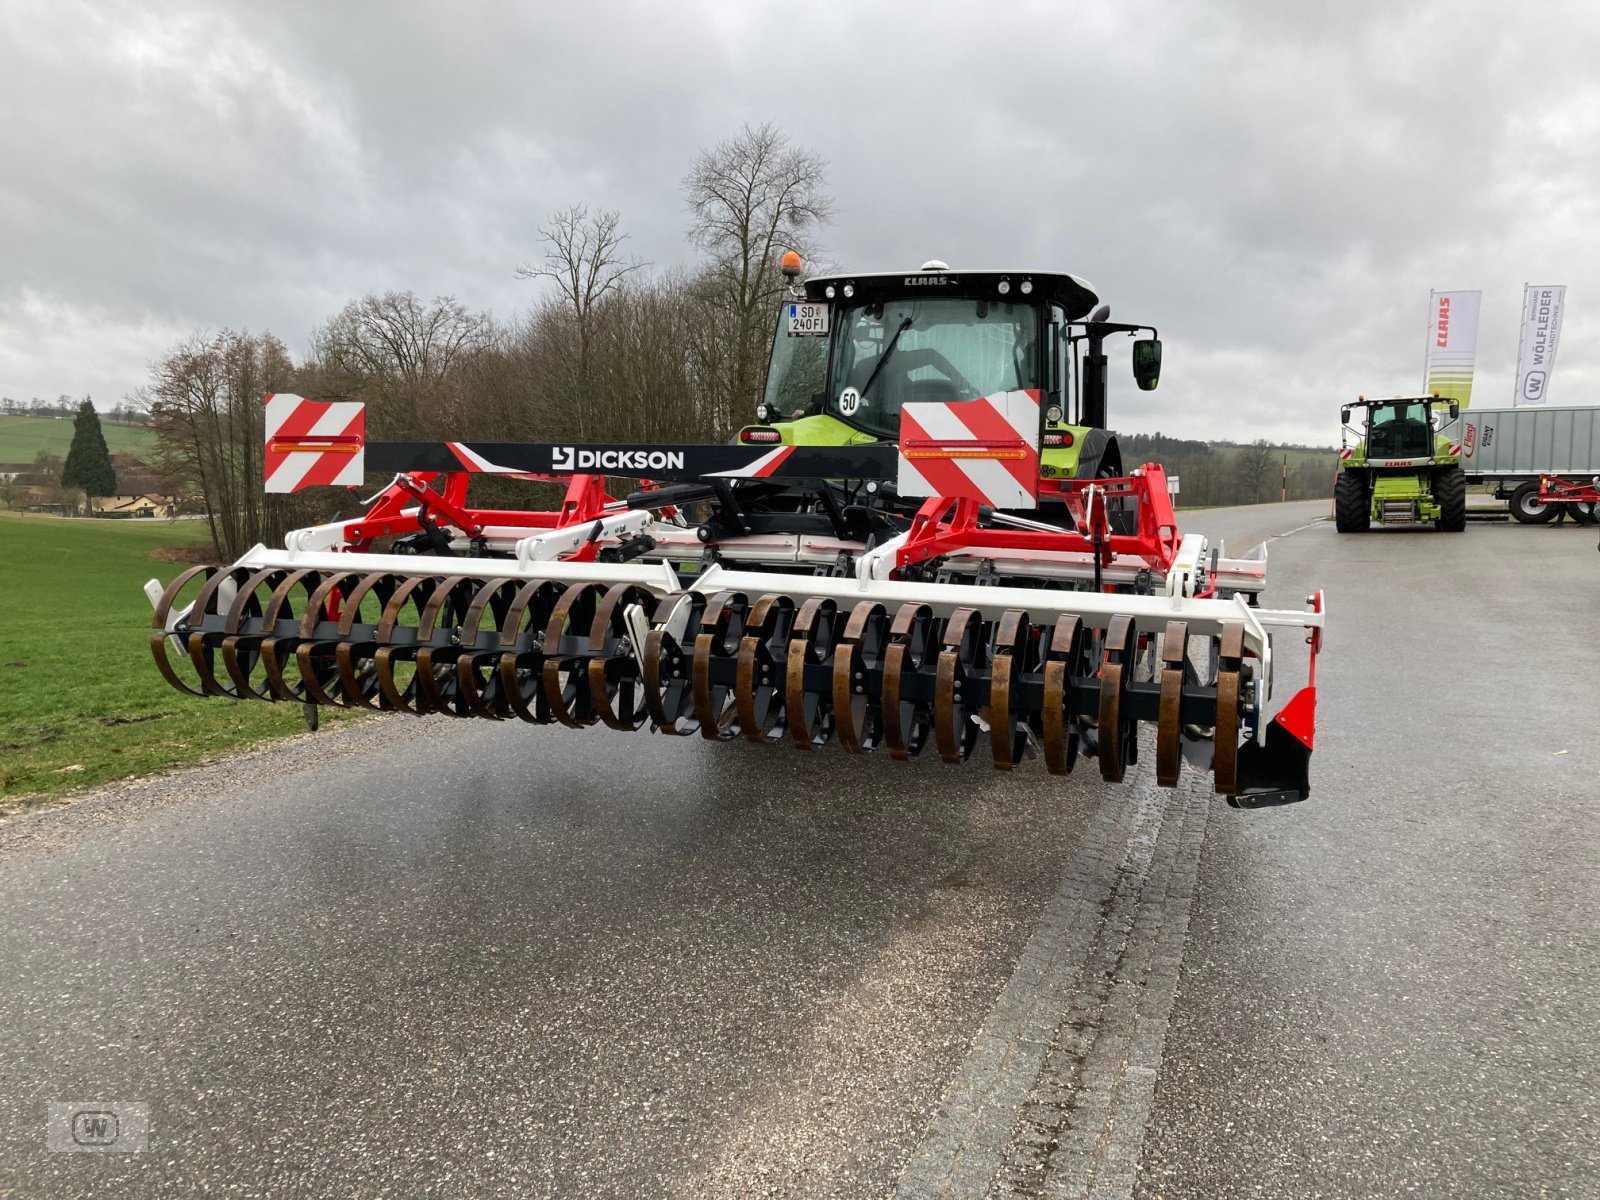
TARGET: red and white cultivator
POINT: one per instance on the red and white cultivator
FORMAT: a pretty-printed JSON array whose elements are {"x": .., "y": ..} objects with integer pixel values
[
  {"x": 789, "y": 610},
  {"x": 916, "y": 546}
]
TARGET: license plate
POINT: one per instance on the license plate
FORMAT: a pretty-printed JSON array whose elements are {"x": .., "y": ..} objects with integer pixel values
[{"x": 808, "y": 320}]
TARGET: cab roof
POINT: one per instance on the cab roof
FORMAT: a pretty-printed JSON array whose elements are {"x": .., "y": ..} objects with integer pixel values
[{"x": 1076, "y": 296}]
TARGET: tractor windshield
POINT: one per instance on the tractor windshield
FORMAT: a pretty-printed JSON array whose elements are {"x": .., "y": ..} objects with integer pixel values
[
  {"x": 796, "y": 371},
  {"x": 1400, "y": 430},
  {"x": 888, "y": 352}
]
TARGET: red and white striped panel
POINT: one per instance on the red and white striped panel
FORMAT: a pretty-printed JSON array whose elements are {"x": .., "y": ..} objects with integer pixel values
[
  {"x": 312, "y": 443},
  {"x": 985, "y": 450}
]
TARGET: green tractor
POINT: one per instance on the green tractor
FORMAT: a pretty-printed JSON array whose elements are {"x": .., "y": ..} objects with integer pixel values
[
  {"x": 850, "y": 350},
  {"x": 1401, "y": 470}
]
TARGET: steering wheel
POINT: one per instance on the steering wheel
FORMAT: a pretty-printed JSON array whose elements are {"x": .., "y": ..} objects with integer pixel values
[{"x": 906, "y": 361}]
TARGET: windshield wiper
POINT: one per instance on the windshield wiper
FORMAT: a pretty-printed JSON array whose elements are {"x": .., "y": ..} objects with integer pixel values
[{"x": 884, "y": 357}]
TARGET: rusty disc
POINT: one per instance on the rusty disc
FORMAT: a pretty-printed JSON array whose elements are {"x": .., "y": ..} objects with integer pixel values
[
  {"x": 566, "y": 675},
  {"x": 1007, "y": 736},
  {"x": 522, "y": 647},
  {"x": 1169, "y": 722},
  {"x": 1114, "y": 732},
  {"x": 857, "y": 711},
  {"x": 720, "y": 630},
  {"x": 477, "y": 677},
  {"x": 614, "y": 685},
  {"x": 757, "y": 692},
  {"x": 273, "y": 646},
  {"x": 162, "y": 639},
  {"x": 667, "y": 692},
  {"x": 954, "y": 730},
  {"x": 809, "y": 713},
  {"x": 1225, "y": 737},
  {"x": 906, "y": 719},
  {"x": 1065, "y": 663},
  {"x": 409, "y": 696}
]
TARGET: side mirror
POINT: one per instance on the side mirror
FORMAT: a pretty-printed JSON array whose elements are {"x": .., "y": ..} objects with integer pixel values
[
  {"x": 1344, "y": 415},
  {"x": 1147, "y": 363},
  {"x": 1455, "y": 410}
]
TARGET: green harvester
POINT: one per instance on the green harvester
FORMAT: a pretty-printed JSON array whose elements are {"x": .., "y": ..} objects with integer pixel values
[{"x": 1401, "y": 470}]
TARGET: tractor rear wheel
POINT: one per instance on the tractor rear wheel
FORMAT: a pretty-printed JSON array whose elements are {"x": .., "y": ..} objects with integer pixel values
[
  {"x": 1450, "y": 494},
  {"x": 1352, "y": 510},
  {"x": 1525, "y": 505}
]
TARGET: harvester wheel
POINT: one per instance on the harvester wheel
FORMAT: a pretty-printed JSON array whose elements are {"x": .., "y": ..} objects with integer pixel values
[
  {"x": 1525, "y": 505},
  {"x": 1450, "y": 494},
  {"x": 954, "y": 698},
  {"x": 758, "y": 673},
  {"x": 1225, "y": 747},
  {"x": 1116, "y": 730},
  {"x": 1352, "y": 507},
  {"x": 857, "y": 710},
  {"x": 1064, "y": 661},
  {"x": 906, "y": 719},
  {"x": 1169, "y": 723}
]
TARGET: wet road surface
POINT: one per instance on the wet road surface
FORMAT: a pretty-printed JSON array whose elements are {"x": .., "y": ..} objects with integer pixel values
[{"x": 463, "y": 959}]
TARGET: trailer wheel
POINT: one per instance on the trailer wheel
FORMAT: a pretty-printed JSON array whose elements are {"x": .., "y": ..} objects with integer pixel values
[
  {"x": 1352, "y": 510},
  {"x": 1586, "y": 513},
  {"x": 1526, "y": 508},
  {"x": 1450, "y": 494}
]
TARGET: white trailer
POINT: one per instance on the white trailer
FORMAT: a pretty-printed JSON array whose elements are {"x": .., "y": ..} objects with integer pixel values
[{"x": 1514, "y": 448}]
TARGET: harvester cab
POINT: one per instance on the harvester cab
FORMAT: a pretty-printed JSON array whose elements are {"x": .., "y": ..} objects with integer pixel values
[
  {"x": 1396, "y": 467},
  {"x": 927, "y": 542}
]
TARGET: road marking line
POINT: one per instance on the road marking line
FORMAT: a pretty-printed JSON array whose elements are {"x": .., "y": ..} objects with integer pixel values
[{"x": 1055, "y": 1094}]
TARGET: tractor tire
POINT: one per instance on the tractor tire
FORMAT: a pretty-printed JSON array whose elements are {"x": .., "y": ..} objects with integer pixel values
[
  {"x": 1526, "y": 508},
  {"x": 1450, "y": 494},
  {"x": 1352, "y": 508}
]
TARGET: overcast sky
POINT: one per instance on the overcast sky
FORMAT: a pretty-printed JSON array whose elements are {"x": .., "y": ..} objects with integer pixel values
[{"x": 1276, "y": 186}]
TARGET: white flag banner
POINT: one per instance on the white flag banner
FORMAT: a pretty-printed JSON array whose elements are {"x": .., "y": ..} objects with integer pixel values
[
  {"x": 1452, "y": 345},
  {"x": 1541, "y": 333}
]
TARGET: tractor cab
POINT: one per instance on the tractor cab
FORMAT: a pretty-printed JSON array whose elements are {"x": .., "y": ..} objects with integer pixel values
[{"x": 849, "y": 351}]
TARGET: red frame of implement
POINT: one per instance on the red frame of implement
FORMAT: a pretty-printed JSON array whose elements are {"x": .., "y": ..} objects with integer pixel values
[{"x": 943, "y": 525}]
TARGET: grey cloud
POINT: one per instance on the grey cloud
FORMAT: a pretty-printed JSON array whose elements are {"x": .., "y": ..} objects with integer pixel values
[{"x": 1276, "y": 186}]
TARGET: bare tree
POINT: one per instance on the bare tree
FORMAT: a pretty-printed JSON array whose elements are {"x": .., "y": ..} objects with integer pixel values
[
  {"x": 402, "y": 357},
  {"x": 1254, "y": 464},
  {"x": 583, "y": 255},
  {"x": 205, "y": 397},
  {"x": 751, "y": 197}
]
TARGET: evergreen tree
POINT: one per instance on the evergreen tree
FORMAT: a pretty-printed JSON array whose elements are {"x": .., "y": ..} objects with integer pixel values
[{"x": 89, "y": 461}]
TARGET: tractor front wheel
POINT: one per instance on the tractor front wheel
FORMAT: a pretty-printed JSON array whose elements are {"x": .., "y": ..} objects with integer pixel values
[
  {"x": 1450, "y": 494},
  {"x": 1352, "y": 509},
  {"x": 1525, "y": 505}
]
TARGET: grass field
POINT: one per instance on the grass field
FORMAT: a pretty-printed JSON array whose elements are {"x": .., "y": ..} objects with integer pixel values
[
  {"x": 21, "y": 438},
  {"x": 80, "y": 700}
]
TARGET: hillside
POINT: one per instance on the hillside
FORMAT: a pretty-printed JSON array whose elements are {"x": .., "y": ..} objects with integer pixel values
[{"x": 22, "y": 437}]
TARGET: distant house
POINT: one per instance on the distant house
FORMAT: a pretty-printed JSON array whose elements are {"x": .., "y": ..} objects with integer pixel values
[
  {"x": 140, "y": 493},
  {"x": 10, "y": 471}
]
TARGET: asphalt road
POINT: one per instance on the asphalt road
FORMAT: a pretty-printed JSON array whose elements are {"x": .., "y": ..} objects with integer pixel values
[{"x": 463, "y": 959}]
